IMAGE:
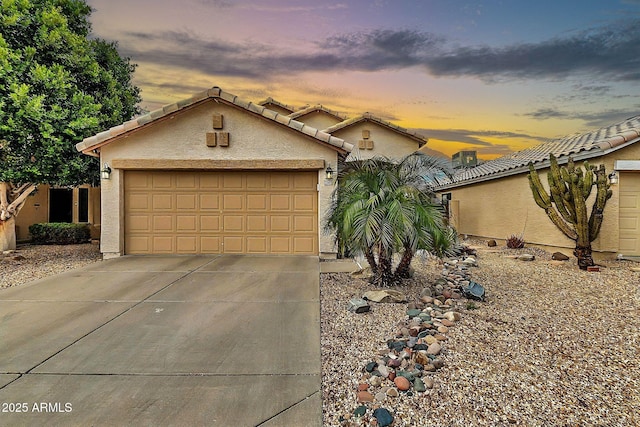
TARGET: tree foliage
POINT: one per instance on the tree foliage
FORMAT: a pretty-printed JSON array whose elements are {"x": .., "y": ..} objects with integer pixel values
[
  {"x": 383, "y": 208},
  {"x": 57, "y": 86}
]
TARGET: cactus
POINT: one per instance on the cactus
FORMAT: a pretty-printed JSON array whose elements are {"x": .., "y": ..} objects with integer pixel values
[{"x": 565, "y": 203}]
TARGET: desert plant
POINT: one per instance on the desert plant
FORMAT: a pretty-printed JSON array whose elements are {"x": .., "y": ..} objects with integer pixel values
[
  {"x": 383, "y": 208},
  {"x": 565, "y": 203},
  {"x": 515, "y": 241}
]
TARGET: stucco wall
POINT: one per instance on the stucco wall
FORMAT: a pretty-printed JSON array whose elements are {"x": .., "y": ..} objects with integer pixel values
[
  {"x": 319, "y": 120},
  {"x": 184, "y": 137},
  {"x": 386, "y": 142},
  {"x": 501, "y": 207}
]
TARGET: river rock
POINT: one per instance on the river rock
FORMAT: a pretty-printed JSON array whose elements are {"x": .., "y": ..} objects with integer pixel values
[
  {"x": 402, "y": 383},
  {"x": 364, "y": 396},
  {"x": 559, "y": 256},
  {"x": 383, "y": 417},
  {"x": 418, "y": 385},
  {"x": 434, "y": 349}
]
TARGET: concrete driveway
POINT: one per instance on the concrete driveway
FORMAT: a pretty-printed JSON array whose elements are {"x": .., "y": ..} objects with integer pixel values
[{"x": 165, "y": 340}]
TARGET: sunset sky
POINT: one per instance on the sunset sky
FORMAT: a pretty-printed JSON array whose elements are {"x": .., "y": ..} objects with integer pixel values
[{"x": 492, "y": 76}]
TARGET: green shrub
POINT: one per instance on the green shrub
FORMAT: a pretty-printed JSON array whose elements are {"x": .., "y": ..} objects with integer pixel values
[{"x": 59, "y": 233}]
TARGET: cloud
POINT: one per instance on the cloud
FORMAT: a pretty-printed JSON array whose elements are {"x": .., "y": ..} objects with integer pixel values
[
  {"x": 591, "y": 120},
  {"x": 474, "y": 137},
  {"x": 606, "y": 52}
]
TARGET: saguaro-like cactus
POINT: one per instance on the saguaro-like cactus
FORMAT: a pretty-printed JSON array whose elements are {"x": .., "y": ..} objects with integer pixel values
[{"x": 566, "y": 202}]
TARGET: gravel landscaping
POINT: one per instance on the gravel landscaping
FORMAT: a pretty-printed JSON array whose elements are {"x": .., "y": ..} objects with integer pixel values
[
  {"x": 550, "y": 346},
  {"x": 31, "y": 262}
]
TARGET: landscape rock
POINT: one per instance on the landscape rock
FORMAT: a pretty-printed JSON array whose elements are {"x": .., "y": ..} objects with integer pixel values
[
  {"x": 559, "y": 256},
  {"x": 358, "y": 305},
  {"x": 385, "y": 296},
  {"x": 402, "y": 383},
  {"x": 383, "y": 417},
  {"x": 364, "y": 396},
  {"x": 434, "y": 349},
  {"x": 526, "y": 257},
  {"x": 492, "y": 243}
]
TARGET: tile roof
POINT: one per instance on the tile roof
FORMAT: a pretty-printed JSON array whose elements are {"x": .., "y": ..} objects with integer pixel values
[
  {"x": 371, "y": 118},
  {"x": 88, "y": 145},
  {"x": 271, "y": 101},
  {"x": 313, "y": 108},
  {"x": 578, "y": 146}
]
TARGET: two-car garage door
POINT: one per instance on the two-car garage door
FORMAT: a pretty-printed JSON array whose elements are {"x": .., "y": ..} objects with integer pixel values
[{"x": 259, "y": 212}]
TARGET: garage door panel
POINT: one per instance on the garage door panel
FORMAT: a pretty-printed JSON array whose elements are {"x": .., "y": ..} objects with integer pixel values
[
  {"x": 220, "y": 212},
  {"x": 163, "y": 244},
  {"x": 162, "y": 202},
  {"x": 163, "y": 223},
  {"x": 280, "y": 202},
  {"x": 233, "y": 202},
  {"x": 233, "y": 223},
  {"x": 257, "y": 223},
  {"x": 186, "y": 202},
  {"x": 209, "y": 202},
  {"x": 257, "y": 245},
  {"x": 140, "y": 223},
  {"x": 256, "y": 202},
  {"x": 209, "y": 223},
  {"x": 233, "y": 244},
  {"x": 210, "y": 245},
  {"x": 162, "y": 180},
  {"x": 186, "y": 223},
  {"x": 280, "y": 245},
  {"x": 138, "y": 201}
]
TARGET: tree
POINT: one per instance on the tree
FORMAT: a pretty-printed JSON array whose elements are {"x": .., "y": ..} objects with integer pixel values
[
  {"x": 383, "y": 208},
  {"x": 566, "y": 202},
  {"x": 57, "y": 86}
]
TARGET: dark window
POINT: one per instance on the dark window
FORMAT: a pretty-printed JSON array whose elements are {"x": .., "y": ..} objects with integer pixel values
[{"x": 60, "y": 205}]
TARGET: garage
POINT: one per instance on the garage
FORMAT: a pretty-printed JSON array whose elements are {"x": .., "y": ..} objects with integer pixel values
[
  {"x": 630, "y": 213},
  {"x": 215, "y": 212}
]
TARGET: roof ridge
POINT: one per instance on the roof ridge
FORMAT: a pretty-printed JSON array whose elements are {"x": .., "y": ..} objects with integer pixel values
[{"x": 369, "y": 116}]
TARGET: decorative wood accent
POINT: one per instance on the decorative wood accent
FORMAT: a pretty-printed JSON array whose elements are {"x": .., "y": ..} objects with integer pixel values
[
  {"x": 217, "y": 121},
  {"x": 362, "y": 144},
  {"x": 223, "y": 139},
  {"x": 204, "y": 164},
  {"x": 369, "y": 144},
  {"x": 211, "y": 139},
  {"x": 366, "y": 134}
]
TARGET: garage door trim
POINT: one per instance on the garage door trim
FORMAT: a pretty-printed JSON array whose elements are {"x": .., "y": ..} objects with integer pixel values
[{"x": 217, "y": 164}]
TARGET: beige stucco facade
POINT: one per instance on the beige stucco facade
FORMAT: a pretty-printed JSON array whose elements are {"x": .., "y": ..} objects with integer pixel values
[
  {"x": 504, "y": 206},
  {"x": 319, "y": 119},
  {"x": 179, "y": 142},
  {"x": 384, "y": 141}
]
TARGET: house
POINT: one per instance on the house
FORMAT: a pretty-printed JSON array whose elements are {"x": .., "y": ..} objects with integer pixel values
[
  {"x": 60, "y": 204},
  {"x": 493, "y": 200},
  {"x": 376, "y": 137},
  {"x": 318, "y": 116},
  {"x": 215, "y": 174}
]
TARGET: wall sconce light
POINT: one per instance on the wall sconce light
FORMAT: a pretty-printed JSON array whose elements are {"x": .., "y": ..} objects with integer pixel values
[
  {"x": 613, "y": 178},
  {"x": 329, "y": 172},
  {"x": 105, "y": 173}
]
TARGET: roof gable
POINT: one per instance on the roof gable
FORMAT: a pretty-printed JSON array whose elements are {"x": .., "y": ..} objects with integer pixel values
[
  {"x": 580, "y": 146},
  {"x": 371, "y": 118},
  {"x": 317, "y": 108},
  {"x": 88, "y": 145},
  {"x": 276, "y": 105}
]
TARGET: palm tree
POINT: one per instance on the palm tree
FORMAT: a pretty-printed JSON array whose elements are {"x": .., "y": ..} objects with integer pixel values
[{"x": 382, "y": 208}]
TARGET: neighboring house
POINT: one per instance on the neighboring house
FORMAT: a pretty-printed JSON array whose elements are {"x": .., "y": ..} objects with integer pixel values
[
  {"x": 318, "y": 116},
  {"x": 494, "y": 200},
  {"x": 51, "y": 204},
  {"x": 215, "y": 174},
  {"x": 277, "y": 106},
  {"x": 376, "y": 137}
]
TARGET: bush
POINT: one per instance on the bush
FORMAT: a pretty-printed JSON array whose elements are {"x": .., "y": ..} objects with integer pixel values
[
  {"x": 59, "y": 233},
  {"x": 515, "y": 242}
]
